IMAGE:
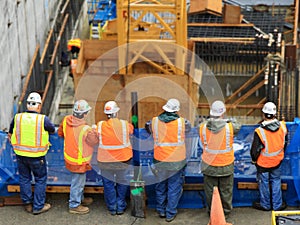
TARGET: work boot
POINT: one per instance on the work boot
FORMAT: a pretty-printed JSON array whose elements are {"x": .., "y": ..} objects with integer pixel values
[
  {"x": 46, "y": 207},
  {"x": 257, "y": 205},
  {"x": 79, "y": 210},
  {"x": 87, "y": 201},
  {"x": 28, "y": 208},
  {"x": 282, "y": 207}
]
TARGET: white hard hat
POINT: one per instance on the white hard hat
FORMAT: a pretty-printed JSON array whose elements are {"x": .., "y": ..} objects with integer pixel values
[
  {"x": 34, "y": 97},
  {"x": 172, "y": 105},
  {"x": 111, "y": 107},
  {"x": 81, "y": 106},
  {"x": 217, "y": 108},
  {"x": 269, "y": 108}
]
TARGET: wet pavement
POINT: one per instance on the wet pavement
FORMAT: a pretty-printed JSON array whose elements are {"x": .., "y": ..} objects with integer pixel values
[{"x": 59, "y": 215}]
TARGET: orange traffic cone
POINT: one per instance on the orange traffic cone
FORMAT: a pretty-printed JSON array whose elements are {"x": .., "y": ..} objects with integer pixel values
[{"x": 217, "y": 216}]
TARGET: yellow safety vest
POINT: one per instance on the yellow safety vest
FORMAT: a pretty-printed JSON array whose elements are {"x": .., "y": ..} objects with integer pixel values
[{"x": 29, "y": 136}]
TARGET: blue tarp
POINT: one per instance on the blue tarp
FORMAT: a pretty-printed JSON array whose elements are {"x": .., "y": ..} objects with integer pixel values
[{"x": 142, "y": 143}]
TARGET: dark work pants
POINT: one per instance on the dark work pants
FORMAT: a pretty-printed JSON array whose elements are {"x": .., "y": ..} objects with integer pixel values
[{"x": 225, "y": 186}]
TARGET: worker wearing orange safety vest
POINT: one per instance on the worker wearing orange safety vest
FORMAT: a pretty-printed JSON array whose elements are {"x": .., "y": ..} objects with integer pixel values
[
  {"x": 217, "y": 166},
  {"x": 74, "y": 46},
  {"x": 114, "y": 157},
  {"x": 168, "y": 131},
  {"x": 79, "y": 140},
  {"x": 29, "y": 135},
  {"x": 267, "y": 153}
]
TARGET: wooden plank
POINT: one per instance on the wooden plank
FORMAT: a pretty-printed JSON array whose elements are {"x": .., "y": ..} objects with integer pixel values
[
  {"x": 296, "y": 22},
  {"x": 11, "y": 201},
  {"x": 58, "y": 189},
  {"x": 220, "y": 24},
  {"x": 250, "y": 81},
  {"x": 254, "y": 185},
  {"x": 232, "y": 14},
  {"x": 224, "y": 40},
  {"x": 29, "y": 74},
  {"x": 46, "y": 46},
  {"x": 58, "y": 39},
  {"x": 193, "y": 187}
]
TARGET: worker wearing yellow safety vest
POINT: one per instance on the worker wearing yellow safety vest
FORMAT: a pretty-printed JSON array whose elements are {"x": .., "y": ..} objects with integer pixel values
[
  {"x": 114, "y": 157},
  {"x": 216, "y": 137},
  {"x": 29, "y": 135},
  {"x": 79, "y": 140},
  {"x": 267, "y": 153},
  {"x": 168, "y": 131}
]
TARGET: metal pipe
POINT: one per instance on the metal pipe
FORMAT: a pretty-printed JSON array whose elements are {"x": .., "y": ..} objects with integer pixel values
[{"x": 134, "y": 106}]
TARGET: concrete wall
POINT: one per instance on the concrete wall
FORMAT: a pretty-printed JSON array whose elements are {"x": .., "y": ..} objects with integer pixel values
[{"x": 23, "y": 25}]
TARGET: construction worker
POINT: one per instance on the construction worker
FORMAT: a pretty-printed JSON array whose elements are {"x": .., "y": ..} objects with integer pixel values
[
  {"x": 79, "y": 140},
  {"x": 216, "y": 137},
  {"x": 29, "y": 135},
  {"x": 74, "y": 47},
  {"x": 114, "y": 157},
  {"x": 168, "y": 131},
  {"x": 71, "y": 57},
  {"x": 267, "y": 153}
]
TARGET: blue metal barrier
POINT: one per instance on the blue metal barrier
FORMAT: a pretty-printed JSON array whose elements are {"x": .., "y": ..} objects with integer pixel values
[{"x": 142, "y": 144}]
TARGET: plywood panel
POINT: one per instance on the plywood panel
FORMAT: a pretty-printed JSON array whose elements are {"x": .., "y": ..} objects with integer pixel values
[
  {"x": 213, "y": 6},
  {"x": 232, "y": 14}
]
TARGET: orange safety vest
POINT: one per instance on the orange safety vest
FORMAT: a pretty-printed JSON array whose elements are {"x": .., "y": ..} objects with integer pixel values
[
  {"x": 273, "y": 152},
  {"x": 217, "y": 147},
  {"x": 73, "y": 65},
  {"x": 114, "y": 142},
  {"x": 169, "y": 144},
  {"x": 76, "y": 150},
  {"x": 29, "y": 138}
]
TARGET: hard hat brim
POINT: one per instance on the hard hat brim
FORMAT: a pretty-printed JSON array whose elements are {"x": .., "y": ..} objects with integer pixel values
[
  {"x": 167, "y": 109},
  {"x": 215, "y": 114},
  {"x": 112, "y": 111}
]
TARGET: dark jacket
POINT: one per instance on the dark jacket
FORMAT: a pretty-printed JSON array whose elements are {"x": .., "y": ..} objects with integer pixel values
[{"x": 257, "y": 145}]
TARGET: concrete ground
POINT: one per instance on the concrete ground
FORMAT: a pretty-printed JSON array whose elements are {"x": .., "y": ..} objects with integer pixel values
[{"x": 59, "y": 215}]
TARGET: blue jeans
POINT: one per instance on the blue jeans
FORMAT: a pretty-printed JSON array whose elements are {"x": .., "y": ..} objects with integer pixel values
[
  {"x": 115, "y": 189},
  {"x": 168, "y": 192},
  {"x": 77, "y": 189},
  {"x": 272, "y": 178},
  {"x": 36, "y": 166}
]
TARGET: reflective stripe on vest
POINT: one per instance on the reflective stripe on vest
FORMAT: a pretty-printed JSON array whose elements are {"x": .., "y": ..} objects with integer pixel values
[
  {"x": 283, "y": 126},
  {"x": 20, "y": 139},
  {"x": 79, "y": 160},
  {"x": 217, "y": 151},
  {"x": 125, "y": 143},
  {"x": 171, "y": 144},
  {"x": 263, "y": 135}
]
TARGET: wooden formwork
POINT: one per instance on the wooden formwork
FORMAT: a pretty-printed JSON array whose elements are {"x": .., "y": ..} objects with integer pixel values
[{"x": 97, "y": 80}]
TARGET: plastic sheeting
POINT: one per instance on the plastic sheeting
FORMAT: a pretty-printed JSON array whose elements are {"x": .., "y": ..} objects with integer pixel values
[{"x": 142, "y": 144}]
